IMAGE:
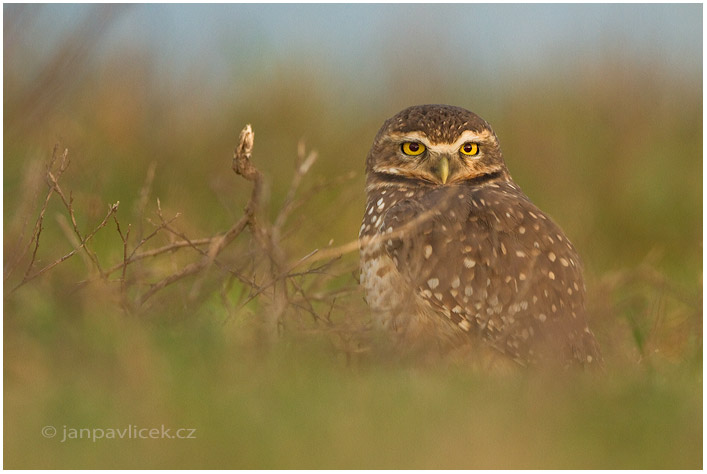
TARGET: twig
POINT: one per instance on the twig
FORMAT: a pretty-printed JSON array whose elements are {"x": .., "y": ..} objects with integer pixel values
[
  {"x": 354, "y": 245},
  {"x": 113, "y": 209},
  {"x": 31, "y": 190},
  {"x": 68, "y": 204},
  {"x": 71, "y": 237},
  {"x": 274, "y": 281},
  {"x": 242, "y": 166},
  {"x": 171, "y": 247},
  {"x": 283, "y": 276},
  {"x": 38, "y": 226},
  {"x": 36, "y": 235},
  {"x": 124, "y": 238},
  {"x": 157, "y": 229}
]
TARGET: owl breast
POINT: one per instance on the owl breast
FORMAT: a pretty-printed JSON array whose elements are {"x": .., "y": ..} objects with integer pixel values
[
  {"x": 388, "y": 294},
  {"x": 392, "y": 220},
  {"x": 474, "y": 263}
]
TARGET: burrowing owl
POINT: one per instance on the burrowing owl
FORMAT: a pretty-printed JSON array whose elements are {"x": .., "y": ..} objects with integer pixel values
[{"x": 452, "y": 251}]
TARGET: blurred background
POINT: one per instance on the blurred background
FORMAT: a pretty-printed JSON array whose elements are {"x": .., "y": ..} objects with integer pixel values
[{"x": 599, "y": 112}]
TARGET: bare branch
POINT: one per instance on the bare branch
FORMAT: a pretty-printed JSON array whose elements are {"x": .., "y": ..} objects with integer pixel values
[
  {"x": 291, "y": 287},
  {"x": 112, "y": 210},
  {"x": 134, "y": 257},
  {"x": 124, "y": 238},
  {"x": 242, "y": 166},
  {"x": 158, "y": 228},
  {"x": 72, "y": 238},
  {"x": 354, "y": 245},
  {"x": 18, "y": 224},
  {"x": 68, "y": 204},
  {"x": 275, "y": 280},
  {"x": 40, "y": 220}
]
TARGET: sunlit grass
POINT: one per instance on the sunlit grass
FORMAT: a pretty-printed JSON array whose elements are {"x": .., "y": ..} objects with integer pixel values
[
  {"x": 615, "y": 157},
  {"x": 299, "y": 405}
]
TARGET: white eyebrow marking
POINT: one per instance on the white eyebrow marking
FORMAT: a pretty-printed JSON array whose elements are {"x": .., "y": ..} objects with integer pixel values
[
  {"x": 386, "y": 169},
  {"x": 448, "y": 148}
]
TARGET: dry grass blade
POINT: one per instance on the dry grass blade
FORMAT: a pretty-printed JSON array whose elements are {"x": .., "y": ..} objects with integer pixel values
[{"x": 303, "y": 164}]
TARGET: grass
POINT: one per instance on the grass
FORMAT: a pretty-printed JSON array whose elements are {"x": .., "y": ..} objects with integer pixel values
[
  {"x": 278, "y": 372},
  {"x": 298, "y": 405}
]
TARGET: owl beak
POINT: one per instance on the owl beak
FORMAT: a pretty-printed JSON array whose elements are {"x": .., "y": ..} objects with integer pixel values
[{"x": 441, "y": 169}]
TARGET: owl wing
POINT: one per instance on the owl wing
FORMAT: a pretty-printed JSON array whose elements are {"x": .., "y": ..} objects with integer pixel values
[{"x": 492, "y": 263}]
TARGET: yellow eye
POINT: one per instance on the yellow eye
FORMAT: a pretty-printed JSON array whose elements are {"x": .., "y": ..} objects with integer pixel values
[
  {"x": 413, "y": 148},
  {"x": 469, "y": 149}
]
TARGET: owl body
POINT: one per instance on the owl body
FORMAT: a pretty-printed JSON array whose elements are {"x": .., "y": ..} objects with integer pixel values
[{"x": 454, "y": 254}]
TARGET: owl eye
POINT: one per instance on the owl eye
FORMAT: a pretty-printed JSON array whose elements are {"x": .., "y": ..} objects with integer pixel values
[
  {"x": 469, "y": 149},
  {"x": 413, "y": 148}
]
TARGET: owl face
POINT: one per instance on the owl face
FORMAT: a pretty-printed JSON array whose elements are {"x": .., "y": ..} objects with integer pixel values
[{"x": 435, "y": 144}]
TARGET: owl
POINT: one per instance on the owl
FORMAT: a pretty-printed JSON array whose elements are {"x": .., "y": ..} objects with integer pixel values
[{"x": 453, "y": 254}]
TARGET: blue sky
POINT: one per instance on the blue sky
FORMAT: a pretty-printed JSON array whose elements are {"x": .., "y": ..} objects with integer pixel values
[
  {"x": 363, "y": 38},
  {"x": 363, "y": 52}
]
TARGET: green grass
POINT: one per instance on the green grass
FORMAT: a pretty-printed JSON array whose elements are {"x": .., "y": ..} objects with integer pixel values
[
  {"x": 298, "y": 405},
  {"x": 614, "y": 156}
]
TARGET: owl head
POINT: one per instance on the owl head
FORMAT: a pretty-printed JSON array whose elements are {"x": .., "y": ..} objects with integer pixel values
[{"x": 435, "y": 144}]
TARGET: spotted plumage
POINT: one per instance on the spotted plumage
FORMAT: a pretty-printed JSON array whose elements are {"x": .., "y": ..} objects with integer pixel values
[{"x": 453, "y": 253}]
